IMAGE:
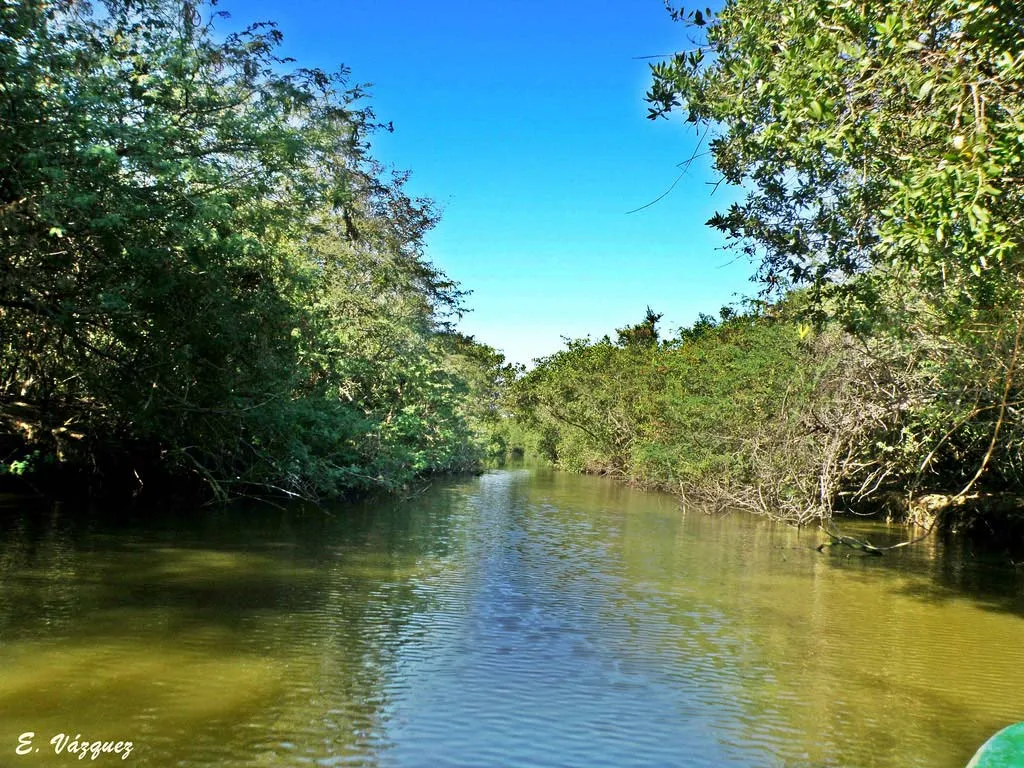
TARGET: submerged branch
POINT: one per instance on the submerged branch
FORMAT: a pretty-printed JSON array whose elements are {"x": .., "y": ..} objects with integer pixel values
[{"x": 838, "y": 538}]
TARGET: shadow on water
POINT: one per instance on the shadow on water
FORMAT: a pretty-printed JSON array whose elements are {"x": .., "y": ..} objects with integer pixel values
[
  {"x": 944, "y": 567},
  {"x": 913, "y": 658},
  {"x": 219, "y": 636}
]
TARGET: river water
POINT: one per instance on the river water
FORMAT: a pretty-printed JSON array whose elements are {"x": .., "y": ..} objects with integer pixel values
[{"x": 522, "y": 618}]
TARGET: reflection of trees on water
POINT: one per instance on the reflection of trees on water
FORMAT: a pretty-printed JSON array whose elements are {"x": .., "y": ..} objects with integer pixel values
[
  {"x": 909, "y": 659},
  {"x": 255, "y": 636}
]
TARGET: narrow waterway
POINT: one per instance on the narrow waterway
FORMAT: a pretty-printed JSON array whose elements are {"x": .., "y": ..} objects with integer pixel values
[{"x": 522, "y": 618}]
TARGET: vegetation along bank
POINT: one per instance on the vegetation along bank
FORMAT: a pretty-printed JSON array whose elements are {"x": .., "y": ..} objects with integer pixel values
[
  {"x": 879, "y": 152},
  {"x": 207, "y": 275}
]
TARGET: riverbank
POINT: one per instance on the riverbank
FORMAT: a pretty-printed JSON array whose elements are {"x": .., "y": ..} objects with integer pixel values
[
  {"x": 763, "y": 412},
  {"x": 200, "y": 287}
]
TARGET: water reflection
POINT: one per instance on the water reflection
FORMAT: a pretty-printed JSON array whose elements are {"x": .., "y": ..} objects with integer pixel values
[{"x": 517, "y": 619}]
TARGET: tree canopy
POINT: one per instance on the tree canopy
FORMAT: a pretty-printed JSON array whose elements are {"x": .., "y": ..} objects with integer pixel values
[
  {"x": 203, "y": 267},
  {"x": 880, "y": 151},
  {"x": 878, "y": 142}
]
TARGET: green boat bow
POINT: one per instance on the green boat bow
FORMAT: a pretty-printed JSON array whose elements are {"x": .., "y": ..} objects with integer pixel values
[{"x": 1004, "y": 750}]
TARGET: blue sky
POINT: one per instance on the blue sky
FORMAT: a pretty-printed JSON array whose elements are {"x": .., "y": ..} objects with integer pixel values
[{"x": 525, "y": 122}]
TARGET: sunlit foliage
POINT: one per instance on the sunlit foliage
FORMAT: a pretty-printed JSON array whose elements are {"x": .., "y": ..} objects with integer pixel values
[
  {"x": 880, "y": 153},
  {"x": 203, "y": 270}
]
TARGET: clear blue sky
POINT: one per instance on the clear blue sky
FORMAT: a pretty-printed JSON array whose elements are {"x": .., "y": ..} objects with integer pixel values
[{"x": 526, "y": 122}]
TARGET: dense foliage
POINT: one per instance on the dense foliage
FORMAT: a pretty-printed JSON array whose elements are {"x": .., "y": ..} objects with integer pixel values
[
  {"x": 880, "y": 150},
  {"x": 748, "y": 410},
  {"x": 203, "y": 270},
  {"x": 879, "y": 141}
]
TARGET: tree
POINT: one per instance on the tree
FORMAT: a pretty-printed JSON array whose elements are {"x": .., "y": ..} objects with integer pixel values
[
  {"x": 643, "y": 334},
  {"x": 202, "y": 267},
  {"x": 879, "y": 147},
  {"x": 879, "y": 140}
]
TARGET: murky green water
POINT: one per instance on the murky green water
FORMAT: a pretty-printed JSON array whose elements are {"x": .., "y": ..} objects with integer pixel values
[{"x": 516, "y": 619}]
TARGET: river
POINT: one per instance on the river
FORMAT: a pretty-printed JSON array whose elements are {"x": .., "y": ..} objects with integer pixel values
[{"x": 521, "y": 618}]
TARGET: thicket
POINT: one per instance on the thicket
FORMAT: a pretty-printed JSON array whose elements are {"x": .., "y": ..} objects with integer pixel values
[
  {"x": 761, "y": 411},
  {"x": 205, "y": 273},
  {"x": 880, "y": 150}
]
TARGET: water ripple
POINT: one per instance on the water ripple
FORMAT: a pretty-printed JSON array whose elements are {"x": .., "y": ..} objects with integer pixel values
[{"x": 515, "y": 620}]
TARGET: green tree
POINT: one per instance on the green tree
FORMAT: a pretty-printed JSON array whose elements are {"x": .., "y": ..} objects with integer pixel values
[
  {"x": 643, "y": 334},
  {"x": 878, "y": 140},
  {"x": 878, "y": 144},
  {"x": 203, "y": 269}
]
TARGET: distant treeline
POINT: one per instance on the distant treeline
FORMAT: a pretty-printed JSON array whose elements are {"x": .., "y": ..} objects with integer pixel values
[
  {"x": 204, "y": 273},
  {"x": 879, "y": 150}
]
